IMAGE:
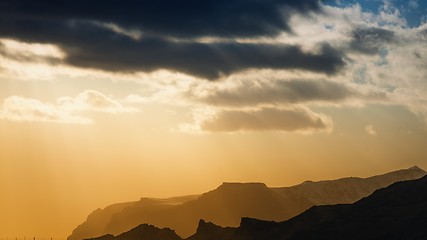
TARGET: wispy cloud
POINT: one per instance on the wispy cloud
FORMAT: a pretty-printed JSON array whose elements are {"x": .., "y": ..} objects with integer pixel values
[
  {"x": 370, "y": 130},
  {"x": 91, "y": 100},
  {"x": 21, "y": 109},
  {"x": 65, "y": 110}
]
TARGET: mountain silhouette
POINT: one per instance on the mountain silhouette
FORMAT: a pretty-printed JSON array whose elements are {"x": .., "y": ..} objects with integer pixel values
[
  {"x": 143, "y": 232},
  {"x": 396, "y": 212},
  {"x": 227, "y": 204}
]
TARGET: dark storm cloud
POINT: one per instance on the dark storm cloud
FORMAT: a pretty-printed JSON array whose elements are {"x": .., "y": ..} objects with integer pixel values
[
  {"x": 88, "y": 45},
  {"x": 370, "y": 40},
  {"x": 267, "y": 119},
  {"x": 204, "y": 60},
  {"x": 183, "y": 18},
  {"x": 74, "y": 27}
]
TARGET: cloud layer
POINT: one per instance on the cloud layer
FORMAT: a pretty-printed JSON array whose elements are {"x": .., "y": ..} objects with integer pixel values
[{"x": 269, "y": 59}]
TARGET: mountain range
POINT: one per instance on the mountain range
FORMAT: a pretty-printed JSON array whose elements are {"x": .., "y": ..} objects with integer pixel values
[
  {"x": 398, "y": 211},
  {"x": 238, "y": 204}
]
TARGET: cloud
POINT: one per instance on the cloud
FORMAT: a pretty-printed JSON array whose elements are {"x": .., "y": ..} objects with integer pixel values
[
  {"x": 66, "y": 109},
  {"x": 249, "y": 93},
  {"x": 185, "y": 18},
  {"x": 400, "y": 70},
  {"x": 318, "y": 54},
  {"x": 384, "y": 54},
  {"x": 370, "y": 40},
  {"x": 135, "y": 37},
  {"x": 21, "y": 109},
  {"x": 206, "y": 60},
  {"x": 12, "y": 47},
  {"x": 293, "y": 119},
  {"x": 131, "y": 33},
  {"x": 30, "y": 52},
  {"x": 413, "y": 4},
  {"x": 92, "y": 46},
  {"x": 370, "y": 130},
  {"x": 91, "y": 100}
]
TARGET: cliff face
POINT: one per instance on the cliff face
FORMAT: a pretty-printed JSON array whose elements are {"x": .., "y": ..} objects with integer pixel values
[{"x": 227, "y": 204}]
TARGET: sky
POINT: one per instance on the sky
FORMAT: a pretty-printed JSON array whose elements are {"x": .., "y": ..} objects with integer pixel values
[{"x": 109, "y": 102}]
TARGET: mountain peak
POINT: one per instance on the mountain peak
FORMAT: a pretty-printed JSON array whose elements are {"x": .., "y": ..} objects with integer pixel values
[
  {"x": 148, "y": 232},
  {"x": 209, "y": 231},
  {"x": 237, "y": 188},
  {"x": 416, "y": 168},
  {"x": 205, "y": 226}
]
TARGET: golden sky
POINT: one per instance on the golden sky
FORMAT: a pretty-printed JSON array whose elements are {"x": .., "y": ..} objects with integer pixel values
[{"x": 90, "y": 120}]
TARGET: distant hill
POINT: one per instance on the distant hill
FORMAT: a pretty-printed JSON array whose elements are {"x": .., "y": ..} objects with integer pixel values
[
  {"x": 97, "y": 222},
  {"x": 396, "y": 212},
  {"x": 227, "y": 204},
  {"x": 143, "y": 232}
]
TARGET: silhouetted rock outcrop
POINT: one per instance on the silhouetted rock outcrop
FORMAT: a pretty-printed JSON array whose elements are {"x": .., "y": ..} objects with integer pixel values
[
  {"x": 210, "y": 231},
  {"x": 227, "y": 204}
]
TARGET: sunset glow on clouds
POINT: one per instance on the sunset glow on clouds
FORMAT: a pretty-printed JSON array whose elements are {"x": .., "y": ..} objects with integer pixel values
[
  {"x": 205, "y": 86},
  {"x": 338, "y": 55}
]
